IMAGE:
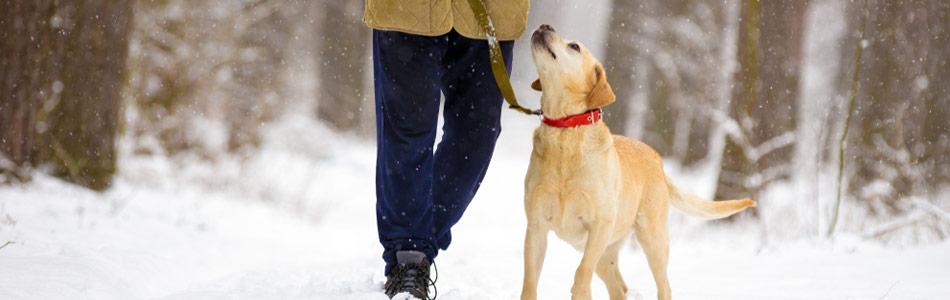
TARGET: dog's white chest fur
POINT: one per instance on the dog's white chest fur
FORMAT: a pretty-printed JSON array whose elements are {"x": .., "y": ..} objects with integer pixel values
[{"x": 567, "y": 167}]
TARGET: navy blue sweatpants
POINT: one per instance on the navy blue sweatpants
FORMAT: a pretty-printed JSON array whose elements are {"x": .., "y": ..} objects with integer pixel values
[{"x": 421, "y": 193}]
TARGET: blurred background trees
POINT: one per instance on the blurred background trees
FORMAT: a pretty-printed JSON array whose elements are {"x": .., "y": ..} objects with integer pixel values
[
  {"x": 63, "y": 68},
  {"x": 741, "y": 87},
  {"x": 668, "y": 57},
  {"x": 343, "y": 63},
  {"x": 898, "y": 158},
  {"x": 763, "y": 107},
  {"x": 205, "y": 74},
  {"x": 753, "y": 92}
]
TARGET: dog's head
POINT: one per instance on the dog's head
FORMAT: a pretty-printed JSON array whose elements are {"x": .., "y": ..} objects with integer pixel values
[{"x": 571, "y": 80}]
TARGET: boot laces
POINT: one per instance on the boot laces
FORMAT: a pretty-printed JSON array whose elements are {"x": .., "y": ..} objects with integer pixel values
[{"x": 410, "y": 277}]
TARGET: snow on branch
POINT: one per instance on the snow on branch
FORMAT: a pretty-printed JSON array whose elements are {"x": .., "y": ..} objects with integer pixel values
[
  {"x": 924, "y": 208},
  {"x": 751, "y": 153},
  {"x": 894, "y": 225},
  {"x": 930, "y": 208},
  {"x": 768, "y": 175},
  {"x": 773, "y": 144}
]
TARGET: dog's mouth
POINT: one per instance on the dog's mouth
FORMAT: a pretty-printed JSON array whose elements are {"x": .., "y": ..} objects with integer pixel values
[{"x": 540, "y": 38}]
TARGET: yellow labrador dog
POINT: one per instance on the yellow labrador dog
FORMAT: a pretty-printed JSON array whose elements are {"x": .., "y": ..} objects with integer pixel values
[{"x": 590, "y": 187}]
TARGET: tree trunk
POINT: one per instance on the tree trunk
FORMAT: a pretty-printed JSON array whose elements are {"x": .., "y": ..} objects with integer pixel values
[
  {"x": 764, "y": 98},
  {"x": 21, "y": 85},
  {"x": 341, "y": 64},
  {"x": 619, "y": 64},
  {"x": 65, "y": 67}
]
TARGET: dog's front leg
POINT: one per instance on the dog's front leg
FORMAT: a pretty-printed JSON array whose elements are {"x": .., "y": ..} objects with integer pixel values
[
  {"x": 535, "y": 245},
  {"x": 597, "y": 238}
]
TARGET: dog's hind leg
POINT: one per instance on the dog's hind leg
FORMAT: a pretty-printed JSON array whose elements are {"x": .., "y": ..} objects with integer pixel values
[
  {"x": 653, "y": 235},
  {"x": 609, "y": 272}
]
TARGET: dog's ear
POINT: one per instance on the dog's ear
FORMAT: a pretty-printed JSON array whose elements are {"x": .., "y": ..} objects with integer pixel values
[
  {"x": 602, "y": 94},
  {"x": 536, "y": 85}
]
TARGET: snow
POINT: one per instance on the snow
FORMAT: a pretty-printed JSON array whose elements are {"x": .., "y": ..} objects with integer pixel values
[{"x": 296, "y": 221}]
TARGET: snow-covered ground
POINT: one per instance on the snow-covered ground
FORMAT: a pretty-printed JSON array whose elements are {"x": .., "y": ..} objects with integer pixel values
[{"x": 299, "y": 224}]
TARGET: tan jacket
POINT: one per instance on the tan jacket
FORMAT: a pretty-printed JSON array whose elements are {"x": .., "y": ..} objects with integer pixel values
[{"x": 437, "y": 17}]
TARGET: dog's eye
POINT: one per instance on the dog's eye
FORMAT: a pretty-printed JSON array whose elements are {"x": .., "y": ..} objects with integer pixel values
[{"x": 574, "y": 46}]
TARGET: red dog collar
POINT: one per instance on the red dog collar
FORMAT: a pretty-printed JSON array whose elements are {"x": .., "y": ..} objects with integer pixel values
[{"x": 585, "y": 118}]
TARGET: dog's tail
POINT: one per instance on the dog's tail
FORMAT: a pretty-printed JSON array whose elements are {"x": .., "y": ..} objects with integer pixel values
[{"x": 697, "y": 207}]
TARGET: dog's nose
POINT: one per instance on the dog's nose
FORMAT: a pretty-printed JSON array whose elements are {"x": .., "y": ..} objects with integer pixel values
[{"x": 547, "y": 27}]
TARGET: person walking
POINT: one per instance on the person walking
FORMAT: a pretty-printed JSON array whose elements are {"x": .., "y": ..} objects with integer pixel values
[{"x": 423, "y": 50}]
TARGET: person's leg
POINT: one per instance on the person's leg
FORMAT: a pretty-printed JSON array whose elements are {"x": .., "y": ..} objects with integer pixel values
[
  {"x": 407, "y": 69},
  {"x": 472, "y": 124}
]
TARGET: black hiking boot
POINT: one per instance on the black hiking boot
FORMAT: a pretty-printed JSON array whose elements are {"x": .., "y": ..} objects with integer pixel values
[{"x": 410, "y": 275}]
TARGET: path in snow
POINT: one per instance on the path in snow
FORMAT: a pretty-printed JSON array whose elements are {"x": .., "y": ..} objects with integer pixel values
[{"x": 138, "y": 241}]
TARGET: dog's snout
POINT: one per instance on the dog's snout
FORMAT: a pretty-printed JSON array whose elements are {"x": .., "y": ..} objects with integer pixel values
[{"x": 541, "y": 37}]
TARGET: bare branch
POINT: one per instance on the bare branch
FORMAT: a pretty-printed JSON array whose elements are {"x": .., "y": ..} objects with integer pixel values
[
  {"x": 894, "y": 225},
  {"x": 931, "y": 208},
  {"x": 773, "y": 144}
]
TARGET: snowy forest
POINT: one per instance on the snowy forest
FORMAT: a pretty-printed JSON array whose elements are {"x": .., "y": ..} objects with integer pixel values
[{"x": 226, "y": 129}]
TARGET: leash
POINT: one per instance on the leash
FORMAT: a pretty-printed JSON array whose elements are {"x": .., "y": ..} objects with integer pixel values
[{"x": 497, "y": 61}]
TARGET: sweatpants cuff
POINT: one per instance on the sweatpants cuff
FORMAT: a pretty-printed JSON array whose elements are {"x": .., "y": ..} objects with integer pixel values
[{"x": 389, "y": 255}]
